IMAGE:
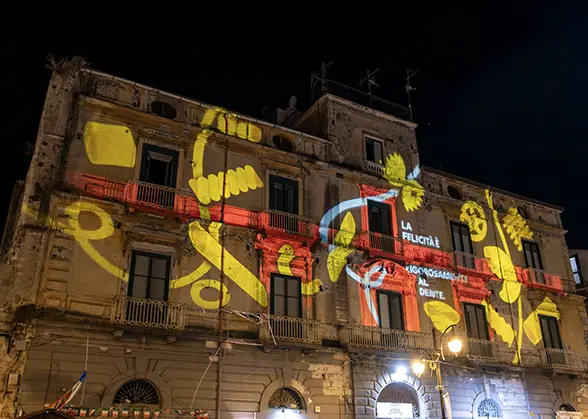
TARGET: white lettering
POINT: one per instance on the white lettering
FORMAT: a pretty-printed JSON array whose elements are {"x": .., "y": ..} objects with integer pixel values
[{"x": 406, "y": 226}]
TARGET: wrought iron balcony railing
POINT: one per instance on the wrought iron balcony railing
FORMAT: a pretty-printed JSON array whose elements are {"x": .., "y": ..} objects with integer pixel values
[
  {"x": 142, "y": 312},
  {"x": 464, "y": 260},
  {"x": 292, "y": 330},
  {"x": 372, "y": 167},
  {"x": 381, "y": 244},
  {"x": 541, "y": 278},
  {"x": 356, "y": 336},
  {"x": 489, "y": 352},
  {"x": 285, "y": 222},
  {"x": 563, "y": 360}
]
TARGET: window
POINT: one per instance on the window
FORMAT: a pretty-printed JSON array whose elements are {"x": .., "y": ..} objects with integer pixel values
[
  {"x": 454, "y": 192},
  {"x": 137, "y": 392},
  {"x": 286, "y": 296},
  {"x": 460, "y": 236},
  {"x": 379, "y": 217},
  {"x": 149, "y": 276},
  {"x": 489, "y": 409},
  {"x": 462, "y": 242},
  {"x": 286, "y": 398},
  {"x": 159, "y": 166},
  {"x": 476, "y": 325},
  {"x": 163, "y": 109},
  {"x": 374, "y": 150},
  {"x": 575, "y": 262},
  {"x": 532, "y": 255},
  {"x": 390, "y": 310},
  {"x": 550, "y": 332},
  {"x": 282, "y": 143},
  {"x": 283, "y": 194}
]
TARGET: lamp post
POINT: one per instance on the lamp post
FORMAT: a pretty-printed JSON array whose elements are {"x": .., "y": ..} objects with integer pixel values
[{"x": 434, "y": 361}]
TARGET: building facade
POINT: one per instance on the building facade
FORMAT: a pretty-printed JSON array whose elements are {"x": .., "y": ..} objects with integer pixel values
[{"x": 188, "y": 257}]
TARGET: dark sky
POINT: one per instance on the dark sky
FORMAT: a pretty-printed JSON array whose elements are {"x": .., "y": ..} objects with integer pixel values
[{"x": 500, "y": 98}]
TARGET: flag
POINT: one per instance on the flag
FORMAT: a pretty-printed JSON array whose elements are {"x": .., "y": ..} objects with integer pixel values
[{"x": 69, "y": 395}]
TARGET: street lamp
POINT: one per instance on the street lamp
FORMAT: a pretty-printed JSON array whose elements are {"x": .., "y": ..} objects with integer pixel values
[{"x": 434, "y": 361}]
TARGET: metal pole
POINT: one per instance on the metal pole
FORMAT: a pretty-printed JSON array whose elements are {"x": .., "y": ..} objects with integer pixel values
[{"x": 440, "y": 389}]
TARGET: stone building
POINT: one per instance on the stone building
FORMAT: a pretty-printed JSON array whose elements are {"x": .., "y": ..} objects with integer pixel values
[{"x": 188, "y": 257}]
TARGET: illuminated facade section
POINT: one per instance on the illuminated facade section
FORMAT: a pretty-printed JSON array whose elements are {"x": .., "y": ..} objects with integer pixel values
[{"x": 174, "y": 228}]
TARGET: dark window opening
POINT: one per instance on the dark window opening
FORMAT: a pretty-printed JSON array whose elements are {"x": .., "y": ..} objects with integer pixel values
[
  {"x": 550, "y": 332},
  {"x": 149, "y": 276},
  {"x": 476, "y": 325},
  {"x": 575, "y": 262},
  {"x": 374, "y": 150},
  {"x": 282, "y": 143},
  {"x": 454, "y": 192},
  {"x": 159, "y": 166},
  {"x": 532, "y": 255},
  {"x": 379, "y": 215},
  {"x": 286, "y": 296},
  {"x": 462, "y": 242},
  {"x": 283, "y": 194},
  {"x": 390, "y": 310},
  {"x": 523, "y": 212},
  {"x": 163, "y": 109}
]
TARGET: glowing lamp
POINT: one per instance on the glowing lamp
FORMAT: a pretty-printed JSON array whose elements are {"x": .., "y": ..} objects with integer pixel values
[
  {"x": 454, "y": 346},
  {"x": 418, "y": 368}
]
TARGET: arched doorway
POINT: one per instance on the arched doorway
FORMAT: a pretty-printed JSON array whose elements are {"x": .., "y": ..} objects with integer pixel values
[
  {"x": 566, "y": 408},
  {"x": 398, "y": 400}
]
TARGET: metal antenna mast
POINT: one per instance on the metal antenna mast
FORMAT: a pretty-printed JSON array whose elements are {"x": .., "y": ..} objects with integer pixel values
[
  {"x": 371, "y": 80},
  {"x": 315, "y": 78},
  {"x": 409, "y": 88}
]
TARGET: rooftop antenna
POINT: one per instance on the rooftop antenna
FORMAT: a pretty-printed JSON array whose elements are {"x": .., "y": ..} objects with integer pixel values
[
  {"x": 321, "y": 77},
  {"x": 371, "y": 80},
  {"x": 409, "y": 88}
]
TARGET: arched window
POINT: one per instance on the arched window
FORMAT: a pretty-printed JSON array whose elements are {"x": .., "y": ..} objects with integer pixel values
[
  {"x": 566, "y": 408},
  {"x": 286, "y": 398},
  {"x": 137, "y": 392},
  {"x": 283, "y": 143},
  {"x": 489, "y": 409},
  {"x": 397, "y": 400}
]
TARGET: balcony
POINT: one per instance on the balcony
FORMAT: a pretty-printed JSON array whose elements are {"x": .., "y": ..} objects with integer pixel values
[
  {"x": 292, "y": 331},
  {"x": 559, "y": 359},
  {"x": 381, "y": 244},
  {"x": 538, "y": 278},
  {"x": 366, "y": 337},
  {"x": 486, "y": 352},
  {"x": 141, "y": 312},
  {"x": 371, "y": 167},
  {"x": 469, "y": 263},
  {"x": 284, "y": 223}
]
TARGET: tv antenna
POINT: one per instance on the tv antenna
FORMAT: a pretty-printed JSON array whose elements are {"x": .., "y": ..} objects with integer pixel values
[
  {"x": 371, "y": 80},
  {"x": 409, "y": 88},
  {"x": 316, "y": 77}
]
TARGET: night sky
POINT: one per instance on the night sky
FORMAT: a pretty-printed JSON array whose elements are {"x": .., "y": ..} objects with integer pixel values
[{"x": 501, "y": 93}]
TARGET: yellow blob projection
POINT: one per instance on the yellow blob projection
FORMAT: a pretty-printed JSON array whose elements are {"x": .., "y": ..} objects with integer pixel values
[
  {"x": 312, "y": 287},
  {"x": 198, "y": 286},
  {"x": 395, "y": 172},
  {"x": 283, "y": 262},
  {"x": 111, "y": 145},
  {"x": 517, "y": 228},
  {"x": 498, "y": 324},
  {"x": 532, "y": 325},
  {"x": 211, "y": 249},
  {"x": 473, "y": 215},
  {"x": 442, "y": 315},
  {"x": 240, "y": 180},
  {"x": 211, "y": 188},
  {"x": 501, "y": 265},
  {"x": 337, "y": 258}
]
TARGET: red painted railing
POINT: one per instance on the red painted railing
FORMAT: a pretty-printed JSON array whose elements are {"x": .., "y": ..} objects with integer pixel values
[{"x": 537, "y": 278}]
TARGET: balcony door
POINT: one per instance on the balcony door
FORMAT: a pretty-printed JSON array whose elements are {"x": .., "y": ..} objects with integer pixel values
[
  {"x": 149, "y": 282},
  {"x": 533, "y": 260},
  {"x": 159, "y": 166},
  {"x": 552, "y": 340},
  {"x": 462, "y": 243},
  {"x": 390, "y": 310},
  {"x": 477, "y": 329},
  {"x": 286, "y": 301}
]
